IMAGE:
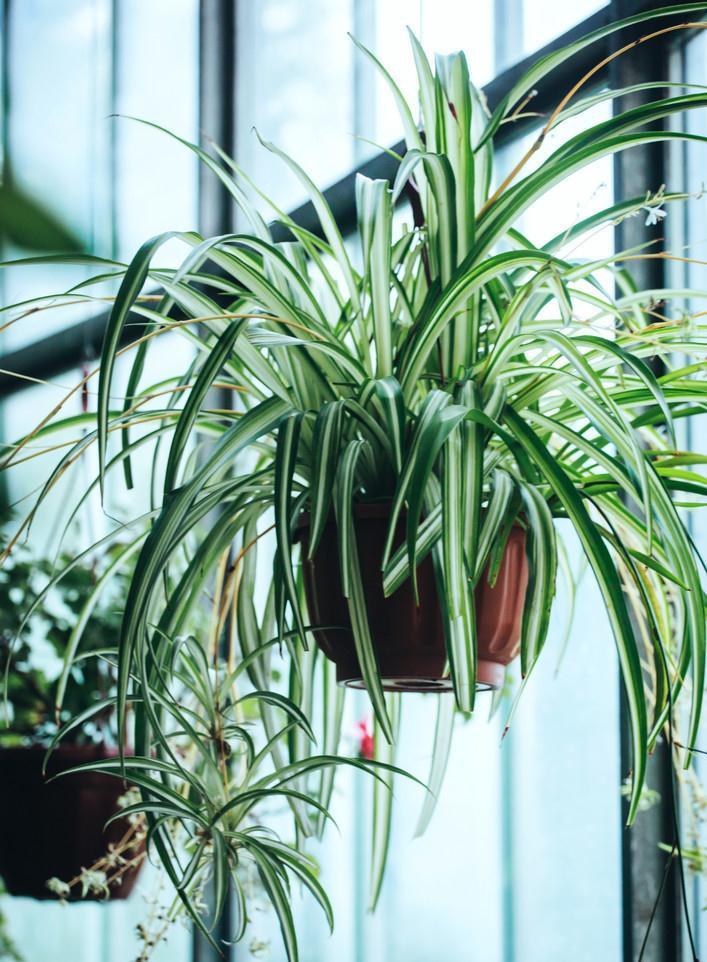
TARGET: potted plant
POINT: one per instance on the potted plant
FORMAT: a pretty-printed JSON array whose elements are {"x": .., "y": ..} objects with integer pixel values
[
  {"x": 408, "y": 427},
  {"x": 59, "y": 824}
]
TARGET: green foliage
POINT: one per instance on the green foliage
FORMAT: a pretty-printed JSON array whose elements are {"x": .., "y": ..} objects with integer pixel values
[
  {"x": 35, "y": 650},
  {"x": 470, "y": 377}
]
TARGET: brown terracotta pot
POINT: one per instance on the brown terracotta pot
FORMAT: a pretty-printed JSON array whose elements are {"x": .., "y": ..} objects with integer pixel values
[
  {"x": 409, "y": 638},
  {"x": 54, "y": 829}
]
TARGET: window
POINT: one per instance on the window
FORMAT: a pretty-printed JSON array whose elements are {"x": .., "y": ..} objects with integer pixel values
[{"x": 537, "y": 814}]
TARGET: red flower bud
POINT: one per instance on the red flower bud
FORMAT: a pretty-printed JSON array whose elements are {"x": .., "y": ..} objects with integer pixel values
[{"x": 366, "y": 744}]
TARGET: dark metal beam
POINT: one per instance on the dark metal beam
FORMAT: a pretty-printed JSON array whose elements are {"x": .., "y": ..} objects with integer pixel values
[
  {"x": 217, "y": 112},
  {"x": 217, "y": 123}
]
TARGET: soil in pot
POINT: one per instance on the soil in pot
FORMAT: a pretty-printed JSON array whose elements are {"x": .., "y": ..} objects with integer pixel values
[
  {"x": 53, "y": 829},
  {"x": 409, "y": 638}
]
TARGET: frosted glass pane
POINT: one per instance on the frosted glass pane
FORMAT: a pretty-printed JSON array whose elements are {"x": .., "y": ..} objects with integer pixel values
[
  {"x": 564, "y": 759},
  {"x": 22, "y": 412},
  {"x": 448, "y": 26},
  {"x": 569, "y": 201},
  {"x": 543, "y": 20},
  {"x": 442, "y": 26},
  {"x": 87, "y": 932},
  {"x": 158, "y": 44},
  {"x": 295, "y": 73},
  {"x": 323, "y": 110},
  {"x": 442, "y": 896},
  {"x": 60, "y": 64},
  {"x": 58, "y": 138}
]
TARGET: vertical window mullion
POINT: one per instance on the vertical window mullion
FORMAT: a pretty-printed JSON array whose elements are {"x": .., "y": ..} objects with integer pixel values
[{"x": 644, "y": 864}]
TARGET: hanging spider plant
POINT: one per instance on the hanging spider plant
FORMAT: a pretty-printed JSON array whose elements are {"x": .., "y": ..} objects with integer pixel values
[
  {"x": 443, "y": 371},
  {"x": 204, "y": 792}
]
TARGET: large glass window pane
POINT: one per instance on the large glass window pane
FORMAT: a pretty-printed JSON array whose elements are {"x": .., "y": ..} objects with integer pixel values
[
  {"x": 295, "y": 86},
  {"x": 58, "y": 74},
  {"x": 543, "y": 20},
  {"x": 442, "y": 26},
  {"x": 563, "y": 757},
  {"x": 333, "y": 110},
  {"x": 91, "y": 931},
  {"x": 113, "y": 181},
  {"x": 157, "y": 81}
]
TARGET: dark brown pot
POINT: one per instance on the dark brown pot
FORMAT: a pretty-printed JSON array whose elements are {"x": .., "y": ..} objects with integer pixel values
[
  {"x": 409, "y": 638},
  {"x": 54, "y": 829}
]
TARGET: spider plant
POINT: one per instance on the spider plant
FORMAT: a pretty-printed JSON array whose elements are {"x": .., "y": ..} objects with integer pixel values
[
  {"x": 209, "y": 789},
  {"x": 449, "y": 366}
]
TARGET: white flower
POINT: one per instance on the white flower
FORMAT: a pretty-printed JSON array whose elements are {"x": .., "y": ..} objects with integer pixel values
[
  {"x": 654, "y": 215},
  {"x": 93, "y": 881},
  {"x": 654, "y": 207},
  {"x": 57, "y": 887},
  {"x": 130, "y": 797}
]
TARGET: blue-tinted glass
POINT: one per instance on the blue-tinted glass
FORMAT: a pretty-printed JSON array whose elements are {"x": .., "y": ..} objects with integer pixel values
[
  {"x": 543, "y": 20},
  {"x": 58, "y": 138},
  {"x": 295, "y": 86},
  {"x": 565, "y": 846},
  {"x": 324, "y": 110},
  {"x": 91, "y": 931},
  {"x": 113, "y": 182},
  {"x": 157, "y": 178}
]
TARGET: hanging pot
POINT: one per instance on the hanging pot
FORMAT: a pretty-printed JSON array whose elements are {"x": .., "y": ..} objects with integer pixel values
[
  {"x": 409, "y": 638},
  {"x": 54, "y": 829}
]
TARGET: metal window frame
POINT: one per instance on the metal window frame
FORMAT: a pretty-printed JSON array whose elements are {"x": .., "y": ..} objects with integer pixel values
[{"x": 64, "y": 350}]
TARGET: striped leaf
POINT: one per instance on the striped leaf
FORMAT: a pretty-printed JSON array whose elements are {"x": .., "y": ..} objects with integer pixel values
[
  {"x": 541, "y": 548},
  {"x": 209, "y": 371},
  {"x": 382, "y": 808},
  {"x": 352, "y": 585},
  {"x": 285, "y": 464},
  {"x": 129, "y": 290},
  {"x": 459, "y": 609},
  {"x": 390, "y": 396},
  {"x": 374, "y": 207},
  {"x": 326, "y": 443},
  {"x": 444, "y": 729},
  {"x": 434, "y": 402},
  {"x": 437, "y": 430}
]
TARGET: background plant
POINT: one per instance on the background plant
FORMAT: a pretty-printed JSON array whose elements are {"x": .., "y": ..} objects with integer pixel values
[{"x": 49, "y": 644}]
